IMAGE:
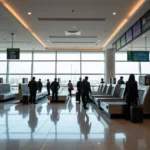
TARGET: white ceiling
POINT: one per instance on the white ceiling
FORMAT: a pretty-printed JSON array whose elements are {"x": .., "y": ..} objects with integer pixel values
[{"x": 63, "y": 9}]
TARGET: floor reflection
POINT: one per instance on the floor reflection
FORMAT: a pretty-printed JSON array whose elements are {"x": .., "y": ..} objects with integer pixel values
[{"x": 67, "y": 126}]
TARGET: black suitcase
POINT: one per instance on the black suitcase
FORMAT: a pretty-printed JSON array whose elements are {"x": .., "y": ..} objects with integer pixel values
[
  {"x": 136, "y": 114},
  {"x": 26, "y": 99},
  {"x": 77, "y": 97}
]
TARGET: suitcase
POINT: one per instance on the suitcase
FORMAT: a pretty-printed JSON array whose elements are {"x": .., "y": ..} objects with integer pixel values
[
  {"x": 77, "y": 97},
  {"x": 25, "y": 99},
  {"x": 136, "y": 114}
]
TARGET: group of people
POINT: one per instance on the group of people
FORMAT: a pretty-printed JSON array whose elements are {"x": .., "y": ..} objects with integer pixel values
[
  {"x": 83, "y": 89},
  {"x": 35, "y": 86}
]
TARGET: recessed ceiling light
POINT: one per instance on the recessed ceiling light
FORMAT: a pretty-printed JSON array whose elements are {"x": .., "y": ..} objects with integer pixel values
[
  {"x": 48, "y": 40},
  {"x": 29, "y": 13},
  {"x": 99, "y": 40},
  {"x": 114, "y": 13},
  {"x": 74, "y": 27}
]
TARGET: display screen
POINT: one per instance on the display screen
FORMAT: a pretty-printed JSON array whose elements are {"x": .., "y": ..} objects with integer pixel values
[
  {"x": 123, "y": 40},
  {"x": 13, "y": 53},
  {"x": 137, "y": 29},
  {"x": 114, "y": 46},
  {"x": 129, "y": 35},
  {"x": 118, "y": 44},
  {"x": 138, "y": 56},
  {"x": 146, "y": 22}
]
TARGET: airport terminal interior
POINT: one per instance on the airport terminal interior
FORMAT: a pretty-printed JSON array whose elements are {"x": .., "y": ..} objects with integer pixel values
[{"x": 68, "y": 40}]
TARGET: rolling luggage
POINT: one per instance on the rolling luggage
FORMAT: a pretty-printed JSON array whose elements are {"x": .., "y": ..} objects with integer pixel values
[
  {"x": 25, "y": 99},
  {"x": 77, "y": 97},
  {"x": 136, "y": 114}
]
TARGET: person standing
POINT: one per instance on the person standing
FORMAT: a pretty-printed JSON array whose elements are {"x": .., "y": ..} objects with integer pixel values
[
  {"x": 33, "y": 89},
  {"x": 70, "y": 88},
  {"x": 40, "y": 86},
  {"x": 102, "y": 81},
  {"x": 55, "y": 87},
  {"x": 79, "y": 87},
  {"x": 48, "y": 86},
  {"x": 120, "y": 81},
  {"x": 130, "y": 94},
  {"x": 86, "y": 89}
]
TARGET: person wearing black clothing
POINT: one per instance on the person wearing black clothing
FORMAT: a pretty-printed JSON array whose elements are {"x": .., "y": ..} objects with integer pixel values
[
  {"x": 102, "y": 81},
  {"x": 40, "y": 85},
  {"x": 130, "y": 94},
  {"x": 48, "y": 86},
  {"x": 33, "y": 89},
  {"x": 86, "y": 89},
  {"x": 55, "y": 87},
  {"x": 79, "y": 87},
  {"x": 120, "y": 81}
]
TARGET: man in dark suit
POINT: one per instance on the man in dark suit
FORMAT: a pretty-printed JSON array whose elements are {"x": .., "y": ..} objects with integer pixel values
[
  {"x": 40, "y": 85},
  {"x": 86, "y": 89},
  {"x": 33, "y": 89},
  {"x": 48, "y": 86},
  {"x": 79, "y": 87},
  {"x": 55, "y": 87}
]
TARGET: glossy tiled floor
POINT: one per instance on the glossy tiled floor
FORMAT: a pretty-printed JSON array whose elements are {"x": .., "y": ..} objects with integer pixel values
[{"x": 48, "y": 126}]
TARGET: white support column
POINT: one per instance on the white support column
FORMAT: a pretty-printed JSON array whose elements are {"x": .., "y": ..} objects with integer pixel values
[{"x": 109, "y": 64}]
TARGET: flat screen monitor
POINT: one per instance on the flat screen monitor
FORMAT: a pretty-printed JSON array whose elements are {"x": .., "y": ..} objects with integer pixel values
[
  {"x": 146, "y": 21},
  {"x": 129, "y": 36},
  {"x": 137, "y": 30},
  {"x": 123, "y": 40}
]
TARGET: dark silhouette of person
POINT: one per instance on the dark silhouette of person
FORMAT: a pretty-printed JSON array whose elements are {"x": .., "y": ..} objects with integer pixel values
[
  {"x": 86, "y": 89},
  {"x": 120, "y": 81},
  {"x": 40, "y": 86},
  {"x": 84, "y": 124},
  {"x": 102, "y": 81},
  {"x": 48, "y": 86},
  {"x": 33, "y": 89},
  {"x": 55, "y": 87},
  {"x": 70, "y": 88},
  {"x": 130, "y": 94},
  {"x": 79, "y": 87},
  {"x": 33, "y": 120}
]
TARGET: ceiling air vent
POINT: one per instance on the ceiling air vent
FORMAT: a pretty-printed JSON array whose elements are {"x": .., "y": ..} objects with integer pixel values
[
  {"x": 73, "y": 33},
  {"x": 71, "y": 19}
]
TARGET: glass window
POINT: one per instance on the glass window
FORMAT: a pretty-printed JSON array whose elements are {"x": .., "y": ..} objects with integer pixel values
[
  {"x": 68, "y": 67},
  {"x": 44, "y": 67},
  {"x": 126, "y": 77},
  {"x": 44, "y": 56},
  {"x": 68, "y": 56},
  {"x": 121, "y": 56},
  {"x": 145, "y": 67},
  {"x": 25, "y": 56},
  {"x": 127, "y": 67},
  {"x": 16, "y": 79},
  {"x": 44, "y": 78},
  {"x": 92, "y": 56},
  {"x": 4, "y": 78},
  {"x": 3, "y": 56},
  {"x": 3, "y": 67},
  {"x": 93, "y": 67},
  {"x": 64, "y": 79},
  {"x": 94, "y": 79},
  {"x": 20, "y": 67}
]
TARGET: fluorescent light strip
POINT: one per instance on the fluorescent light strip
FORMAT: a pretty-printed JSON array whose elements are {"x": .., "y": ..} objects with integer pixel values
[
  {"x": 14, "y": 13},
  {"x": 131, "y": 13}
]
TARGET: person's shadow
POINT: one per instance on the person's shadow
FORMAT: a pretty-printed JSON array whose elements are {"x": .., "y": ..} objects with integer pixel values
[
  {"x": 33, "y": 119},
  {"x": 84, "y": 124}
]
